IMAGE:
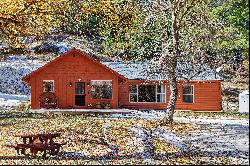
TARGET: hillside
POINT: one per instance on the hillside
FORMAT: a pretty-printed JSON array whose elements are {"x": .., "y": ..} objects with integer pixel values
[
  {"x": 16, "y": 63},
  {"x": 13, "y": 69}
]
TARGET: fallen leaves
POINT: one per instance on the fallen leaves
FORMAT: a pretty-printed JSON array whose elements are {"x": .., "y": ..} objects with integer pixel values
[
  {"x": 163, "y": 148},
  {"x": 85, "y": 139},
  {"x": 221, "y": 115}
]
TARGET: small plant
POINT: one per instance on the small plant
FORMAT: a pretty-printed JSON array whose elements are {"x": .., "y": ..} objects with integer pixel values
[
  {"x": 23, "y": 107},
  {"x": 105, "y": 105},
  {"x": 98, "y": 105},
  {"x": 90, "y": 105}
]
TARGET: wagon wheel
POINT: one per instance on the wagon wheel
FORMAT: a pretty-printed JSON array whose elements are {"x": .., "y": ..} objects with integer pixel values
[{"x": 48, "y": 100}]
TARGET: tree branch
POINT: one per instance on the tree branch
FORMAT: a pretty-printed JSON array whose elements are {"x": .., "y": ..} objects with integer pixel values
[
  {"x": 187, "y": 9},
  {"x": 26, "y": 7},
  {"x": 9, "y": 20}
]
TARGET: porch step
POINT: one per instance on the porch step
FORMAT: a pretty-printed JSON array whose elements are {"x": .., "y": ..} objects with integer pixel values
[{"x": 80, "y": 111}]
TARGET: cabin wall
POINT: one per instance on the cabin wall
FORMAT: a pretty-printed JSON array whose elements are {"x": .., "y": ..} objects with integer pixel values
[
  {"x": 68, "y": 70},
  {"x": 207, "y": 96}
]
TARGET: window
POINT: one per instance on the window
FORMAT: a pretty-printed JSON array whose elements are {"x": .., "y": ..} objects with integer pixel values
[
  {"x": 147, "y": 93},
  {"x": 101, "y": 89},
  {"x": 79, "y": 88},
  {"x": 48, "y": 85},
  {"x": 161, "y": 93},
  {"x": 188, "y": 93},
  {"x": 133, "y": 95}
]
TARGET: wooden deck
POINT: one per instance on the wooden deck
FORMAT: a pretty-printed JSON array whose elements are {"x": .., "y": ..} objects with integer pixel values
[{"x": 83, "y": 111}]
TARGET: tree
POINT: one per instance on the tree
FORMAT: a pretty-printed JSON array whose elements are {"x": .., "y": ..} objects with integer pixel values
[
  {"x": 109, "y": 21},
  {"x": 235, "y": 13},
  {"x": 192, "y": 34},
  {"x": 22, "y": 19},
  {"x": 178, "y": 10}
]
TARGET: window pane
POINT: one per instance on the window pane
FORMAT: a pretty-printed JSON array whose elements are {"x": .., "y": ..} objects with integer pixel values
[
  {"x": 48, "y": 86},
  {"x": 133, "y": 97},
  {"x": 101, "y": 89},
  {"x": 160, "y": 88},
  {"x": 79, "y": 89},
  {"x": 188, "y": 89},
  {"x": 132, "y": 89},
  {"x": 146, "y": 93},
  {"x": 161, "y": 98},
  {"x": 188, "y": 98}
]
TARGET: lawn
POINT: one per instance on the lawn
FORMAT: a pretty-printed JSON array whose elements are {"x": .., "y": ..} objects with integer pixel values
[{"x": 85, "y": 134}]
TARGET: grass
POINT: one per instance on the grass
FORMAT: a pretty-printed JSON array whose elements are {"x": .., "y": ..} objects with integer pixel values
[{"x": 84, "y": 134}]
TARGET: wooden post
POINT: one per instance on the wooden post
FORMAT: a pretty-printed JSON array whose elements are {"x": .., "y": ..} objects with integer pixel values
[{"x": 23, "y": 149}]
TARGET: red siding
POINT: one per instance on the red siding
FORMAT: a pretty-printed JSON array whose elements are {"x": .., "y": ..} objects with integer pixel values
[
  {"x": 207, "y": 97},
  {"x": 70, "y": 69}
]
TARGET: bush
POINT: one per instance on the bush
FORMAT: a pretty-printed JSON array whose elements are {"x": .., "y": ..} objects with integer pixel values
[{"x": 23, "y": 106}]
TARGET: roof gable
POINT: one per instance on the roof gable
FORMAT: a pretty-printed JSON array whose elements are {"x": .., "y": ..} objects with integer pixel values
[{"x": 70, "y": 52}]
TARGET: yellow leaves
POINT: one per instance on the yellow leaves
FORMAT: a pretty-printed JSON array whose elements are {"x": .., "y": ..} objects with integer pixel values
[
  {"x": 10, "y": 7},
  {"x": 28, "y": 17},
  {"x": 38, "y": 17},
  {"x": 245, "y": 64},
  {"x": 163, "y": 148},
  {"x": 112, "y": 11},
  {"x": 83, "y": 135},
  {"x": 182, "y": 127}
]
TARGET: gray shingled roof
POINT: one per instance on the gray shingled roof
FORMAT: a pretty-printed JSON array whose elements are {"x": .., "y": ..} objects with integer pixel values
[{"x": 140, "y": 70}]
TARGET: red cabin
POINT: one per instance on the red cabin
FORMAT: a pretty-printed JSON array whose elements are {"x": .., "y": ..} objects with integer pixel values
[{"x": 79, "y": 81}]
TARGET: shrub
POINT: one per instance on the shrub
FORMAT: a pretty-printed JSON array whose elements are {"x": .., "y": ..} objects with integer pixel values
[{"x": 23, "y": 106}]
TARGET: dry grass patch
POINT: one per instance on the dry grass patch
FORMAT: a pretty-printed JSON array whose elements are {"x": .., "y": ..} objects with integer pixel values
[{"x": 84, "y": 135}]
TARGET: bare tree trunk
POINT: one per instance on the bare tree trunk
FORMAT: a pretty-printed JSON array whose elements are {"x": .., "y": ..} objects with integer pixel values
[
  {"x": 173, "y": 97},
  {"x": 174, "y": 57}
]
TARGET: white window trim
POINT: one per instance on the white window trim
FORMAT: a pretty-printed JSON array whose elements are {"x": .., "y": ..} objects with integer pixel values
[
  {"x": 49, "y": 81},
  {"x": 188, "y": 94},
  {"x": 164, "y": 93},
  {"x": 111, "y": 89},
  {"x": 137, "y": 93},
  {"x": 134, "y": 94}
]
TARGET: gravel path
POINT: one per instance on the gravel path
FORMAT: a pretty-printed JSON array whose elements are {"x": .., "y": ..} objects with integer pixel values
[
  {"x": 218, "y": 138},
  {"x": 215, "y": 137}
]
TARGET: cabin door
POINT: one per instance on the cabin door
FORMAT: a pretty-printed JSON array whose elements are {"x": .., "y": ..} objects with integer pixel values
[{"x": 80, "y": 94}]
